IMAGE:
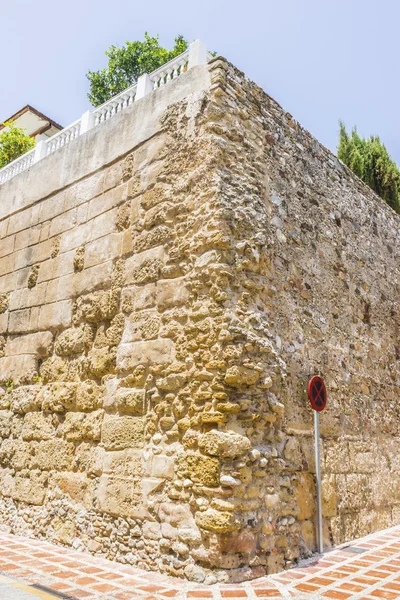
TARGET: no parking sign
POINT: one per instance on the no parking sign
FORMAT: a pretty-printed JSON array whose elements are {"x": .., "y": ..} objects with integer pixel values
[
  {"x": 317, "y": 393},
  {"x": 318, "y": 396}
]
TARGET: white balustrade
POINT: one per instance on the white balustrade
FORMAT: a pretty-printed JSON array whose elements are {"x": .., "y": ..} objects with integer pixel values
[
  {"x": 196, "y": 54},
  {"x": 171, "y": 70},
  {"x": 110, "y": 108},
  {"x": 63, "y": 137},
  {"x": 17, "y": 166}
]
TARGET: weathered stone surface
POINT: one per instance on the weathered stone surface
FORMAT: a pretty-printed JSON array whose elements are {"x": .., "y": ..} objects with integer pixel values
[
  {"x": 70, "y": 341},
  {"x": 77, "y": 485},
  {"x": 147, "y": 353},
  {"x": 37, "y": 426},
  {"x": 24, "y": 399},
  {"x": 6, "y": 417},
  {"x": 30, "y": 488},
  {"x": 64, "y": 531},
  {"x": 124, "y": 463},
  {"x": 216, "y": 521},
  {"x": 224, "y": 444},
  {"x": 87, "y": 396},
  {"x": 171, "y": 293},
  {"x": 122, "y": 432},
  {"x": 241, "y": 376},
  {"x": 54, "y": 455},
  {"x": 16, "y": 454},
  {"x": 305, "y": 496},
  {"x": 82, "y": 426},
  {"x": 201, "y": 469},
  {"x": 39, "y": 344},
  {"x": 58, "y": 397},
  {"x": 160, "y": 315},
  {"x": 130, "y": 401},
  {"x": 120, "y": 496}
]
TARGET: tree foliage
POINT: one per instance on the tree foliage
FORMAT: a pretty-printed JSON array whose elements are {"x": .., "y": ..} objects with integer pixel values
[
  {"x": 370, "y": 160},
  {"x": 13, "y": 143},
  {"x": 127, "y": 63}
]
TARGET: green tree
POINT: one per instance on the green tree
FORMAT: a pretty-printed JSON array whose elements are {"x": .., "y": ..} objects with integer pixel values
[
  {"x": 13, "y": 143},
  {"x": 370, "y": 160},
  {"x": 127, "y": 63}
]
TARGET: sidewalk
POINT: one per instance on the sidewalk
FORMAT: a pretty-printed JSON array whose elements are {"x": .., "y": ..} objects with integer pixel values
[{"x": 366, "y": 568}]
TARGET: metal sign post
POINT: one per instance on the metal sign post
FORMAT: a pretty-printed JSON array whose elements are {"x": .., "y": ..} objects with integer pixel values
[
  {"x": 318, "y": 482},
  {"x": 318, "y": 396}
]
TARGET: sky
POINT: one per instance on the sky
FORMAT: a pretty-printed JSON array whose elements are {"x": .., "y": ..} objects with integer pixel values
[{"x": 322, "y": 60}]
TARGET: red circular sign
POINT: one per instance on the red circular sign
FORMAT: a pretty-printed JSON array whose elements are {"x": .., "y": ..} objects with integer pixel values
[{"x": 317, "y": 393}]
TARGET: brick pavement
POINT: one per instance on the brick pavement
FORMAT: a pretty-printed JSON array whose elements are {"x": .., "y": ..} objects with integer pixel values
[{"x": 366, "y": 568}]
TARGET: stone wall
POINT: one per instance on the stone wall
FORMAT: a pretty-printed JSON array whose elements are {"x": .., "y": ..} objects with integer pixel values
[{"x": 168, "y": 284}]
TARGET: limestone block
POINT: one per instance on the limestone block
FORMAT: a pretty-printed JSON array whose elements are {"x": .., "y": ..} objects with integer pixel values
[
  {"x": 130, "y": 401},
  {"x": 124, "y": 463},
  {"x": 120, "y": 496},
  {"x": 39, "y": 344},
  {"x": 15, "y": 454},
  {"x": 356, "y": 491},
  {"x": 77, "y": 485},
  {"x": 238, "y": 376},
  {"x": 139, "y": 326},
  {"x": 6, "y": 417},
  {"x": 20, "y": 321},
  {"x": 58, "y": 397},
  {"x": 122, "y": 432},
  {"x": 7, "y": 482},
  {"x": 15, "y": 367},
  {"x": 89, "y": 458},
  {"x": 70, "y": 341},
  {"x": 4, "y": 302},
  {"x": 148, "y": 353},
  {"x": 177, "y": 515},
  {"x": 54, "y": 455},
  {"x": 329, "y": 497},
  {"x": 224, "y": 444},
  {"x": 102, "y": 361},
  {"x": 64, "y": 531},
  {"x": 30, "y": 487},
  {"x": 151, "y": 530},
  {"x": 216, "y": 521},
  {"x": 172, "y": 292},
  {"x": 25, "y": 399},
  {"x": 305, "y": 496},
  {"x": 366, "y": 457},
  {"x": 138, "y": 297},
  {"x": 292, "y": 452},
  {"x": 56, "y": 315},
  {"x": 172, "y": 382},
  {"x": 3, "y": 323},
  {"x": 201, "y": 469},
  {"x": 88, "y": 396},
  {"x": 103, "y": 249},
  {"x": 145, "y": 267},
  {"x": 159, "y": 466},
  {"x": 115, "y": 330},
  {"x": 82, "y": 426},
  {"x": 99, "y": 306},
  {"x": 149, "y": 239},
  {"x": 37, "y": 426}
]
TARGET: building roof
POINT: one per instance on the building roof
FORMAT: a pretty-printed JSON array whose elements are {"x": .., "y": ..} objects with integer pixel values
[{"x": 34, "y": 121}]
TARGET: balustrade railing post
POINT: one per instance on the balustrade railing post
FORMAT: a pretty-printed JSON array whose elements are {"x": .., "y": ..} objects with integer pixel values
[
  {"x": 40, "y": 151},
  {"x": 144, "y": 86},
  {"x": 87, "y": 122},
  {"x": 197, "y": 54}
]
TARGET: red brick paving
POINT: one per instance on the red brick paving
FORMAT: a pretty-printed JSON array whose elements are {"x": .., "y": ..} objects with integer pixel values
[{"x": 338, "y": 575}]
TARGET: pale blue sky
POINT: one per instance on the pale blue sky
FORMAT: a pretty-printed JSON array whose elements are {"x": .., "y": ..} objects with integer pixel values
[{"x": 322, "y": 60}]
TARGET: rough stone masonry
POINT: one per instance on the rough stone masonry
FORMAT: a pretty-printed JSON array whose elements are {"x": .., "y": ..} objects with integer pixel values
[{"x": 169, "y": 282}]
